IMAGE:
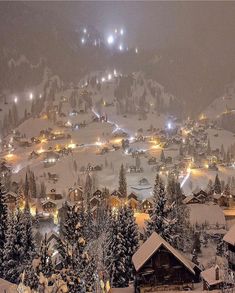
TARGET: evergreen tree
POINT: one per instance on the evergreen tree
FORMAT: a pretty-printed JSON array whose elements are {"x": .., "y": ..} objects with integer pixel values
[
  {"x": 46, "y": 265},
  {"x": 14, "y": 249},
  {"x": 208, "y": 147},
  {"x": 28, "y": 239},
  {"x": 88, "y": 188},
  {"x": 122, "y": 182},
  {"x": 161, "y": 220},
  {"x": 210, "y": 187},
  {"x": 26, "y": 186},
  {"x": 162, "y": 157},
  {"x": 32, "y": 185},
  {"x": 196, "y": 243},
  {"x": 227, "y": 190},
  {"x": 217, "y": 185},
  {"x": 115, "y": 258},
  {"x": 131, "y": 237},
  {"x": 3, "y": 225}
]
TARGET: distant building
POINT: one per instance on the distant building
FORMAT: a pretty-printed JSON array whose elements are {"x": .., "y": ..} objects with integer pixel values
[
  {"x": 75, "y": 195},
  {"x": 147, "y": 205}
]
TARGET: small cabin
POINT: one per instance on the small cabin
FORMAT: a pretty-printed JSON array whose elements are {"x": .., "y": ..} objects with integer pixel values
[
  {"x": 11, "y": 200},
  {"x": 133, "y": 203},
  {"x": 116, "y": 193},
  {"x": 75, "y": 195},
  {"x": 54, "y": 195},
  {"x": 98, "y": 194},
  {"x": 221, "y": 199},
  {"x": 158, "y": 266},
  {"x": 213, "y": 279},
  {"x": 114, "y": 201},
  {"x": 49, "y": 206},
  {"x": 147, "y": 205},
  {"x": 191, "y": 199}
]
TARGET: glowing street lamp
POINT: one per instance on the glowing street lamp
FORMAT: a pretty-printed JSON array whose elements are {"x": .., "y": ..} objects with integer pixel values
[
  {"x": 121, "y": 32},
  {"x": 15, "y": 100},
  {"x": 31, "y": 96},
  {"x": 115, "y": 72},
  {"x": 84, "y": 30},
  {"x": 83, "y": 41},
  {"x": 120, "y": 47},
  {"x": 110, "y": 40},
  {"x": 109, "y": 76},
  {"x": 136, "y": 50}
]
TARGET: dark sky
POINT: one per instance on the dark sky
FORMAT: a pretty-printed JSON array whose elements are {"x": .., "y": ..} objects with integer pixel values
[{"x": 156, "y": 24}]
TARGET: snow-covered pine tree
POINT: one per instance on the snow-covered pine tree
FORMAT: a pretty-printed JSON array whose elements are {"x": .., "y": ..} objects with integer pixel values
[
  {"x": 131, "y": 236},
  {"x": 122, "y": 182},
  {"x": 162, "y": 157},
  {"x": 217, "y": 185},
  {"x": 28, "y": 240},
  {"x": 3, "y": 225},
  {"x": 208, "y": 147},
  {"x": 32, "y": 185},
  {"x": 210, "y": 188},
  {"x": 46, "y": 265},
  {"x": 161, "y": 220},
  {"x": 88, "y": 188},
  {"x": 26, "y": 186},
  {"x": 14, "y": 248},
  {"x": 115, "y": 255}
]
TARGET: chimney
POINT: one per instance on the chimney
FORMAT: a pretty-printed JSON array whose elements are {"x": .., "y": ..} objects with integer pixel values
[{"x": 217, "y": 273}]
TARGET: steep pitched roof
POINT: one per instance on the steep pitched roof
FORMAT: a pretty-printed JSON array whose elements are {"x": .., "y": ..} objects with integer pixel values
[
  {"x": 209, "y": 276},
  {"x": 229, "y": 237},
  {"x": 151, "y": 245}
]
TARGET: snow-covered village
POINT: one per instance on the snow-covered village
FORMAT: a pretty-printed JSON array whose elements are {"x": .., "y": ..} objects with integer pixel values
[{"x": 117, "y": 147}]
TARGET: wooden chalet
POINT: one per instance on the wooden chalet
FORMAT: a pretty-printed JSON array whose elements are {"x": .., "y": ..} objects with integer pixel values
[
  {"x": 114, "y": 201},
  {"x": 201, "y": 195},
  {"x": 191, "y": 199},
  {"x": 54, "y": 195},
  {"x": 75, "y": 195},
  {"x": 213, "y": 279},
  {"x": 133, "y": 203},
  {"x": 147, "y": 205},
  {"x": 11, "y": 200},
  {"x": 229, "y": 239},
  {"x": 49, "y": 206},
  {"x": 158, "y": 266},
  {"x": 221, "y": 199}
]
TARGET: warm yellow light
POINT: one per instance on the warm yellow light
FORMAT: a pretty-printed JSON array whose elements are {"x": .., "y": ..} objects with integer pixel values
[
  {"x": 157, "y": 146},
  {"x": 43, "y": 140},
  {"x": 202, "y": 117},
  {"x": 44, "y": 117},
  {"x": 55, "y": 217},
  {"x": 41, "y": 151},
  {"x": 72, "y": 146},
  {"x": 33, "y": 211}
]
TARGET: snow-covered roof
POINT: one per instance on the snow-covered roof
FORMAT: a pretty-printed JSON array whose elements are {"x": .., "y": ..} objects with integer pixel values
[
  {"x": 151, "y": 245},
  {"x": 211, "y": 214},
  {"x": 7, "y": 287},
  {"x": 189, "y": 198},
  {"x": 229, "y": 237},
  {"x": 209, "y": 276},
  {"x": 219, "y": 195}
]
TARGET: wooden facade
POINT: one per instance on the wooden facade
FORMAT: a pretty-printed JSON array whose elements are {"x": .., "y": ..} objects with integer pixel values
[{"x": 159, "y": 266}]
